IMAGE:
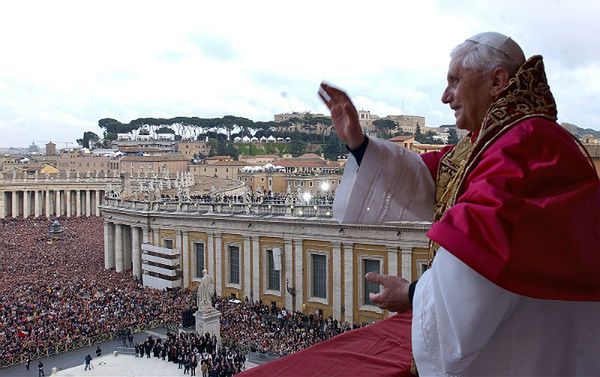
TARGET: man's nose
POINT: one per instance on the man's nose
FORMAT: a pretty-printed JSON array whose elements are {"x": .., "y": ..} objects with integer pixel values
[{"x": 446, "y": 96}]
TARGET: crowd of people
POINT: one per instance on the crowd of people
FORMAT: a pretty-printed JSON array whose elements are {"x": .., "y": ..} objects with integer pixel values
[
  {"x": 191, "y": 351},
  {"x": 55, "y": 292},
  {"x": 267, "y": 329}
]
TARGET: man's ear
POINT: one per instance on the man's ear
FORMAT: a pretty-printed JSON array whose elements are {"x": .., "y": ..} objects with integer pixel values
[{"x": 499, "y": 78}]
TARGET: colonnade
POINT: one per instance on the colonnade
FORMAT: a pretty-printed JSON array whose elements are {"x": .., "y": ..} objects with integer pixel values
[
  {"x": 344, "y": 272},
  {"x": 49, "y": 202}
]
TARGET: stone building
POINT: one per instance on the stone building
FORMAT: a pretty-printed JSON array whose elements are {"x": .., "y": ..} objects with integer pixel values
[
  {"x": 26, "y": 196},
  {"x": 265, "y": 180},
  {"x": 294, "y": 256},
  {"x": 308, "y": 163},
  {"x": 172, "y": 162},
  {"x": 219, "y": 169},
  {"x": 74, "y": 160},
  {"x": 191, "y": 148},
  {"x": 594, "y": 151}
]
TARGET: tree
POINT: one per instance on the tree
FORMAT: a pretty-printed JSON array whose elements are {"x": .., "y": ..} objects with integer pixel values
[
  {"x": 165, "y": 130},
  {"x": 89, "y": 139},
  {"x": 418, "y": 135},
  {"x": 333, "y": 148},
  {"x": 452, "y": 136},
  {"x": 384, "y": 126}
]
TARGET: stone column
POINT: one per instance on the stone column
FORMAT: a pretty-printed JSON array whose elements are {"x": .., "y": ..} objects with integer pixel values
[
  {"x": 47, "y": 204},
  {"x": 299, "y": 283},
  {"x": 57, "y": 202},
  {"x": 211, "y": 255},
  {"x": 256, "y": 268},
  {"x": 109, "y": 246},
  {"x": 26, "y": 203},
  {"x": 2, "y": 205},
  {"x": 337, "y": 280},
  {"x": 78, "y": 203},
  {"x": 88, "y": 204},
  {"x": 247, "y": 267},
  {"x": 289, "y": 276},
  {"x": 118, "y": 248},
  {"x": 155, "y": 237},
  {"x": 37, "y": 206},
  {"x": 219, "y": 263},
  {"x": 348, "y": 283},
  {"x": 185, "y": 254},
  {"x": 392, "y": 261},
  {"x": 68, "y": 202},
  {"x": 145, "y": 235},
  {"x": 136, "y": 253},
  {"x": 407, "y": 264},
  {"x": 15, "y": 204},
  {"x": 97, "y": 206}
]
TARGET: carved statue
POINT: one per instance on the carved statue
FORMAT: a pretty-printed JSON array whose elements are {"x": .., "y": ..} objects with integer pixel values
[
  {"x": 205, "y": 291},
  {"x": 259, "y": 195},
  {"x": 247, "y": 195}
]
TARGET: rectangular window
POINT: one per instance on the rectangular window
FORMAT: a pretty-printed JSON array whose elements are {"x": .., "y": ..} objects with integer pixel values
[
  {"x": 234, "y": 265},
  {"x": 370, "y": 265},
  {"x": 319, "y": 276},
  {"x": 168, "y": 243},
  {"x": 199, "y": 258},
  {"x": 273, "y": 278}
]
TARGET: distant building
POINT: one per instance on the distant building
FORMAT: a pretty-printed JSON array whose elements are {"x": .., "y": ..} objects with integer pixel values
[
  {"x": 76, "y": 160},
  {"x": 226, "y": 169},
  {"x": 129, "y": 143},
  {"x": 258, "y": 159},
  {"x": 50, "y": 149},
  {"x": 191, "y": 148},
  {"x": 308, "y": 163},
  {"x": 594, "y": 151},
  {"x": 404, "y": 141},
  {"x": 172, "y": 162}
]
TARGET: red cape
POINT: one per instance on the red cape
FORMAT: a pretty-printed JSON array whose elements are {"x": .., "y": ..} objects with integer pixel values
[
  {"x": 527, "y": 217},
  {"x": 381, "y": 349}
]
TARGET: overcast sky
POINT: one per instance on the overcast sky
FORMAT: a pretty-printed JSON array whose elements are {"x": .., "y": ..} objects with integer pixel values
[{"x": 65, "y": 65}]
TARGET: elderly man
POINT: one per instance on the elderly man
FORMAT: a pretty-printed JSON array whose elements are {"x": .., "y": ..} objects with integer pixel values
[{"x": 514, "y": 283}]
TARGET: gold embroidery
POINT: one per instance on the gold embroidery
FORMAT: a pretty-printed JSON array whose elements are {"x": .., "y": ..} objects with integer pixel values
[{"x": 526, "y": 95}]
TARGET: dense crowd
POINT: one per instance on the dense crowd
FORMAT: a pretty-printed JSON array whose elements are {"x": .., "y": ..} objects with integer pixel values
[
  {"x": 56, "y": 292},
  {"x": 256, "y": 327},
  {"x": 191, "y": 351}
]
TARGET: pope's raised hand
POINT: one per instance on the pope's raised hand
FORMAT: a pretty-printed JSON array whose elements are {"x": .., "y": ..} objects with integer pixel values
[{"x": 343, "y": 114}]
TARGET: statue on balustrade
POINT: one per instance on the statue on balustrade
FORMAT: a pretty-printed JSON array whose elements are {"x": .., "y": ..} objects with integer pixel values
[
  {"x": 259, "y": 195},
  {"x": 205, "y": 291}
]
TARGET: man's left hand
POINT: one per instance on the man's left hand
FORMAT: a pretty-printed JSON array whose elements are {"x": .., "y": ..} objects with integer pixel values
[{"x": 393, "y": 295}]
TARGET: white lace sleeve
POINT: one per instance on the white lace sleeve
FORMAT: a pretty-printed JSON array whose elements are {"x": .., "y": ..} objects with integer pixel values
[
  {"x": 391, "y": 184},
  {"x": 455, "y": 313}
]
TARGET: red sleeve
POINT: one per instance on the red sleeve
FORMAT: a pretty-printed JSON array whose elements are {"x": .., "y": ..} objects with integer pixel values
[{"x": 529, "y": 216}]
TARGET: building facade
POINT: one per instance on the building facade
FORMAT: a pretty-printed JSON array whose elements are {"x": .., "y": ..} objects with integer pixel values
[
  {"x": 296, "y": 257},
  {"x": 60, "y": 196}
]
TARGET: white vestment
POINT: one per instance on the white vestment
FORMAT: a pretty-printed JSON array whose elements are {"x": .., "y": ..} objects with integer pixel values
[{"x": 463, "y": 324}]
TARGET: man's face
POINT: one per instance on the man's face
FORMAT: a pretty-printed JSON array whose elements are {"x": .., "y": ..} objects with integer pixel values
[{"x": 469, "y": 94}]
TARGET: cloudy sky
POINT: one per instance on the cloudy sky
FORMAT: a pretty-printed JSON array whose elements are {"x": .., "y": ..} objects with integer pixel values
[{"x": 65, "y": 65}]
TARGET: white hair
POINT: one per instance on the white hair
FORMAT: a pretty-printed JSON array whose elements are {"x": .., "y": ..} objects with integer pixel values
[{"x": 483, "y": 58}]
